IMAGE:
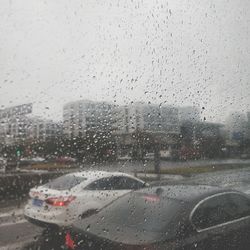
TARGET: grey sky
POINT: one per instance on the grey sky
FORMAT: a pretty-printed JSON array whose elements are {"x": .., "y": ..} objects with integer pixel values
[{"x": 177, "y": 52}]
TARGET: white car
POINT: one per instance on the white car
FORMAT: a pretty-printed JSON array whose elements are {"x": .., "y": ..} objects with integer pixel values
[{"x": 61, "y": 201}]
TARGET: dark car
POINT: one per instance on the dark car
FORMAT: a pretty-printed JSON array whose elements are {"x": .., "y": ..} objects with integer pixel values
[{"x": 169, "y": 217}]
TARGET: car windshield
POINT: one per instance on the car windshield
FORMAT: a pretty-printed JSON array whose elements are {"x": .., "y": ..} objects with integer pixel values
[
  {"x": 65, "y": 182},
  {"x": 142, "y": 212}
]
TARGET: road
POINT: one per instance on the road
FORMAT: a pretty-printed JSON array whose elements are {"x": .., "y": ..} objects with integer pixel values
[
  {"x": 235, "y": 179},
  {"x": 129, "y": 166},
  {"x": 15, "y": 232},
  {"x": 139, "y": 166},
  {"x": 16, "y": 235}
]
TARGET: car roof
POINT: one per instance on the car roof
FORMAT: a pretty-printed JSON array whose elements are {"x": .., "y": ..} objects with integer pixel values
[
  {"x": 92, "y": 175},
  {"x": 185, "y": 192}
]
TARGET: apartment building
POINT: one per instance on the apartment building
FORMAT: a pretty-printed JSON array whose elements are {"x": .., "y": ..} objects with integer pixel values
[
  {"x": 17, "y": 124},
  {"x": 84, "y": 115},
  {"x": 148, "y": 118},
  {"x": 189, "y": 114}
]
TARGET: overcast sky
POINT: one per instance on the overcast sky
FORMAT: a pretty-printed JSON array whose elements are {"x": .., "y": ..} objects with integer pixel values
[{"x": 176, "y": 52}]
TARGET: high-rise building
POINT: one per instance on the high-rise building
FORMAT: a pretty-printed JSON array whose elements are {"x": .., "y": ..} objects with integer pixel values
[
  {"x": 42, "y": 129},
  {"x": 189, "y": 114},
  {"x": 14, "y": 123},
  {"x": 154, "y": 124},
  {"x": 84, "y": 115},
  {"x": 149, "y": 118},
  {"x": 236, "y": 126},
  {"x": 15, "y": 129},
  {"x": 17, "y": 125}
]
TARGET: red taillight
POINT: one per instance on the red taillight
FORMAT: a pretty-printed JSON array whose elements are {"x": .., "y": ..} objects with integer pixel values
[
  {"x": 152, "y": 198},
  {"x": 69, "y": 242},
  {"x": 60, "y": 201}
]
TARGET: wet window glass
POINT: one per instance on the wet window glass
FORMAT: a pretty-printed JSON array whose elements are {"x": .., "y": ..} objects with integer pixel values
[
  {"x": 103, "y": 184},
  {"x": 128, "y": 183},
  {"x": 99, "y": 99},
  {"x": 240, "y": 206}
]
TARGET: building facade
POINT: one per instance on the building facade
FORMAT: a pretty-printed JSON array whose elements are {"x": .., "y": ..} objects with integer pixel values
[
  {"x": 140, "y": 126},
  {"x": 82, "y": 116},
  {"x": 236, "y": 126},
  {"x": 42, "y": 129},
  {"x": 15, "y": 129},
  {"x": 17, "y": 125},
  {"x": 147, "y": 118},
  {"x": 189, "y": 114},
  {"x": 201, "y": 140}
]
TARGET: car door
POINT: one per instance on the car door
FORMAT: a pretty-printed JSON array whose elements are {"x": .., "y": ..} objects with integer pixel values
[
  {"x": 238, "y": 207},
  {"x": 207, "y": 218},
  {"x": 197, "y": 234},
  {"x": 233, "y": 230},
  {"x": 218, "y": 220}
]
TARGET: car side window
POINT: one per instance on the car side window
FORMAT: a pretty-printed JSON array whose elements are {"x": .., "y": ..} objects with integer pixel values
[
  {"x": 125, "y": 183},
  {"x": 133, "y": 184},
  {"x": 108, "y": 183},
  {"x": 214, "y": 211},
  {"x": 240, "y": 206}
]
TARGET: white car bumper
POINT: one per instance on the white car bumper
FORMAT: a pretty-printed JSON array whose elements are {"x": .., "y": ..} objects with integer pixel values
[{"x": 59, "y": 216}]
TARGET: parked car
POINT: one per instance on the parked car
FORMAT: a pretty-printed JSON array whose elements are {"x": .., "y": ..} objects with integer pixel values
[
  {"x": 37, "y": 159},
  {"x": 65, "y": 160},
  {"x": 51, "y": 158},
  {"x": 167, "y": 217},
  {"x": 61, "y": 201},
  {"x": 31, "y": 160}
]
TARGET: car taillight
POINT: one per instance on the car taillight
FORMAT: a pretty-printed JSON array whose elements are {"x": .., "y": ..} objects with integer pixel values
[
  {"x": 152, "y": 198},
  {"x": 69, "y": 242},
  {"x": 61, "y": 201}
]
